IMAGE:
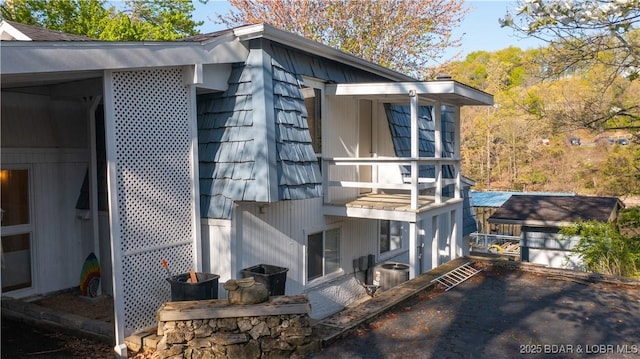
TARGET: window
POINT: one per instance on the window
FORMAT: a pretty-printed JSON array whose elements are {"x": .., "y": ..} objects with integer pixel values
[
  {"x": 313, "y": 90},
  {"x": 390, "y": 236},
  {"x": 323, "y": 253},
  {"x": 313, "y": 103}
]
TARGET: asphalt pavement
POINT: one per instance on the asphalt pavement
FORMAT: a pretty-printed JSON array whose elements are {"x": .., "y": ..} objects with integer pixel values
[{"x": 504, "y": 314}]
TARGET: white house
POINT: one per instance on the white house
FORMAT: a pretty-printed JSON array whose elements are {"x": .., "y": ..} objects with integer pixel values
[{"x": 217, "y": 153}]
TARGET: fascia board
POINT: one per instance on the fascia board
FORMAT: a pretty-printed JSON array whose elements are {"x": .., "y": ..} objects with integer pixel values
[
  {"x": 430, "y": 88},
  {"x": 8, "y": 32},
  {"x": 42, "y": 57},
  {"x": 530, "y": 223},
  {"x": 286, "y": 38}
]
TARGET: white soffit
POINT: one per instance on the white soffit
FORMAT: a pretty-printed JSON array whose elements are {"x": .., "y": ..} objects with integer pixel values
[{"x": 441, "y": 91}]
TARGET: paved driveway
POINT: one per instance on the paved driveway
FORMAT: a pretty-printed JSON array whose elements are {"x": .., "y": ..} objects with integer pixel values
[{"x": 504, "y": 314}]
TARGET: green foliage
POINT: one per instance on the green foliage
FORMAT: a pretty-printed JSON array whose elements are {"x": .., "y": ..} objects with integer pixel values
[
  {"x": 621, "y": 171},
  {"x": 605, "y": 250},
  {"x": 135, "y": 21}
]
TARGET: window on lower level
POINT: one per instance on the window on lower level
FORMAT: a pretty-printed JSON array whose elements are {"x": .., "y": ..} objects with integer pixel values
[
  {"x": 390, "y": 236},
  {"x": 323, "y": 253}
]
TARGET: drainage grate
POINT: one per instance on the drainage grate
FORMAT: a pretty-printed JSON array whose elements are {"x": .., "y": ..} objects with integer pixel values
[{"x": 457, "y": 276}]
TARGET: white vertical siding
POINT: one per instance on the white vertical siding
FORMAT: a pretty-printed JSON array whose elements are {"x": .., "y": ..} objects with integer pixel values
[
  {"x": 340, "y": 139},
  {"x": 216, "y": 249},
  {"x": 30, "y": 121},
  {"x": 275, "y": 234}
]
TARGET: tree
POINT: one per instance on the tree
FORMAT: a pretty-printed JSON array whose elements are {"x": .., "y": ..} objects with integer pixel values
[
  {"x": 404, "y": 35},
  {"x": 136, "y": 20},
  {"x": 603, "y": 249},
  {"x": 583, "y": 34}
]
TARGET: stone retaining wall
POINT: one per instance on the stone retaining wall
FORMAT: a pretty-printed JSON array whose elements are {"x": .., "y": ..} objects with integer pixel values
[{"x": 235, "y": 332}]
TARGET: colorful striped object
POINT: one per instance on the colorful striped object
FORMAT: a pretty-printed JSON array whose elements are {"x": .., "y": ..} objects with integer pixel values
[{"x": 90, "y": 277}]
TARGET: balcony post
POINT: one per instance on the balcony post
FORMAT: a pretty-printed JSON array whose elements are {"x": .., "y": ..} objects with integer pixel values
[
  {"x": 456, "y": 152},
  {"x": 437, "y": 132},
  {"x": 325, "y": 180},
  {"x": 413, "y": 250},
  {"x": 415, "y": 148}
]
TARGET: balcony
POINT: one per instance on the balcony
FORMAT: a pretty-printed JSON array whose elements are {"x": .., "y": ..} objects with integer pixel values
[
  {"x": 374, "y": 187},
  {"x": 403, "y": 199}
]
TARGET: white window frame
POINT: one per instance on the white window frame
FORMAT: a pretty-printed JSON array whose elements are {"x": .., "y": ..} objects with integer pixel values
[
  {"x": 29, "y": 228},
  {"x": 403, "y": 241},
  {"x": 317, "y": 84},
  {"x": 325, "y": 276}
]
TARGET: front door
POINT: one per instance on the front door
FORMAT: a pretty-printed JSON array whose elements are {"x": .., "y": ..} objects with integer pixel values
[{"x": 17, "y": 230}]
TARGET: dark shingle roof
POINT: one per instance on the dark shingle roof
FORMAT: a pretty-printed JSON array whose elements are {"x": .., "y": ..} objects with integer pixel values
[
  {"x": 36, "y": 33},
  {"x": 554, "y": 210}
]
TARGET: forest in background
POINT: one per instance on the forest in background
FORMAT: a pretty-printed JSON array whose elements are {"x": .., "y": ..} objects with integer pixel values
[{"x": 524, "y": 142}]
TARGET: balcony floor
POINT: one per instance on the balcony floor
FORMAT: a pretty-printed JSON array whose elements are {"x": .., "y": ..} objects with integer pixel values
[{"x": 386, "y": 206}]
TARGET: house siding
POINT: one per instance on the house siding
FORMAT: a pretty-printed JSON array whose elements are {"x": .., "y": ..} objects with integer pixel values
[
  {"x": 298, "y": 171},
  {"x": 226, "y": 141},
  {"x": 304, "y": 64},
  {"x": 400, "y": 126},
  {"x": 49, "y": 138},
  {"x": 276, "y": 234},
  {"x": 58, "y": 250}
]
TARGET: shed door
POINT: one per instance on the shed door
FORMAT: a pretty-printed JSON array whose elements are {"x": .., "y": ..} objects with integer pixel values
[{"x": 17, "y": 230}]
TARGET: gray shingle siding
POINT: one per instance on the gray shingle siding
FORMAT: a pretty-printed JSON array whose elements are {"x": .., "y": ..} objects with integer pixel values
[
  {"x": 399, "y": 117},
  {"x": 298, "y": 170},
  {"x": 303, "y": 64},
  {"x": 226, "y": 141}
]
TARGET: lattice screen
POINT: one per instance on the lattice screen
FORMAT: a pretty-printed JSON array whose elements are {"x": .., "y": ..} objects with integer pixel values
[{"x": 153, "y": 172}]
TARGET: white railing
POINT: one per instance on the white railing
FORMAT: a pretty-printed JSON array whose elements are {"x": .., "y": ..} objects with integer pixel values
[
  {"x": 495, "y": 243},
  {"x": 412, "y": 184}
]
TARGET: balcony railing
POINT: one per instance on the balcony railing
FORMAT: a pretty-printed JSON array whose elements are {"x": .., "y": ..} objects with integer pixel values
[{"x": 412, "y": 184}]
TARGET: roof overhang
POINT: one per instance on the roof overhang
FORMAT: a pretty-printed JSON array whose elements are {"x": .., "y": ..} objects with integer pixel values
[
  {"x": 23, "y": 59},
  {"x": 438, "y": 91},
  {"x": 298, "y": 42}
]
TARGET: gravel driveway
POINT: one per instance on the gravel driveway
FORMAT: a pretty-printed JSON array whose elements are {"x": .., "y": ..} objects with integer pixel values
[{"x": 504, "y": 314}]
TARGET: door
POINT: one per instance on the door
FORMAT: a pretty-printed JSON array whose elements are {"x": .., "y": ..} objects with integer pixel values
[{"x": 17, "y": 230}]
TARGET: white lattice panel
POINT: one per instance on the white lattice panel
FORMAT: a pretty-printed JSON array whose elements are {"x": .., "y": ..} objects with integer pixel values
[
  {"x": 143, "y": 297},
  {"x": 152, "y": 138}
]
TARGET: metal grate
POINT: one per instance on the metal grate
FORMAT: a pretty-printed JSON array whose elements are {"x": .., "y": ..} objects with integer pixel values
[
  {"x": 152, "y": 140},
  {"x": 457, "y": 276}
]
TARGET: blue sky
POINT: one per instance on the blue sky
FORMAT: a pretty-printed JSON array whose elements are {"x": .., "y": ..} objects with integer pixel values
[{"x": 479, "y": 30}]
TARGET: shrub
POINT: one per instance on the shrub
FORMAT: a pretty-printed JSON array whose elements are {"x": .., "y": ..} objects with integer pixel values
[{"x": 605, "y": 250}]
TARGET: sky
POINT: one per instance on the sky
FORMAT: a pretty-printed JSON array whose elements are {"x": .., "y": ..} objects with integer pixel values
[{"x": 479, "y": 30}]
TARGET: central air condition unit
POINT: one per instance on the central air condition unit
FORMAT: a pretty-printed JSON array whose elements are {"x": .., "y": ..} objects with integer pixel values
[{"x": 388, "y": 275}]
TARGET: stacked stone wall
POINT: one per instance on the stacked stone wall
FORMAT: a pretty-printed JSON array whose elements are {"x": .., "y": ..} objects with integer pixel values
[{"x": 243, "y": 337}]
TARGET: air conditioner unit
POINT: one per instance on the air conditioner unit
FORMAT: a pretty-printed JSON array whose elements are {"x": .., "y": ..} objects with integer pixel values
[{"x": 388, "y": 275}]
